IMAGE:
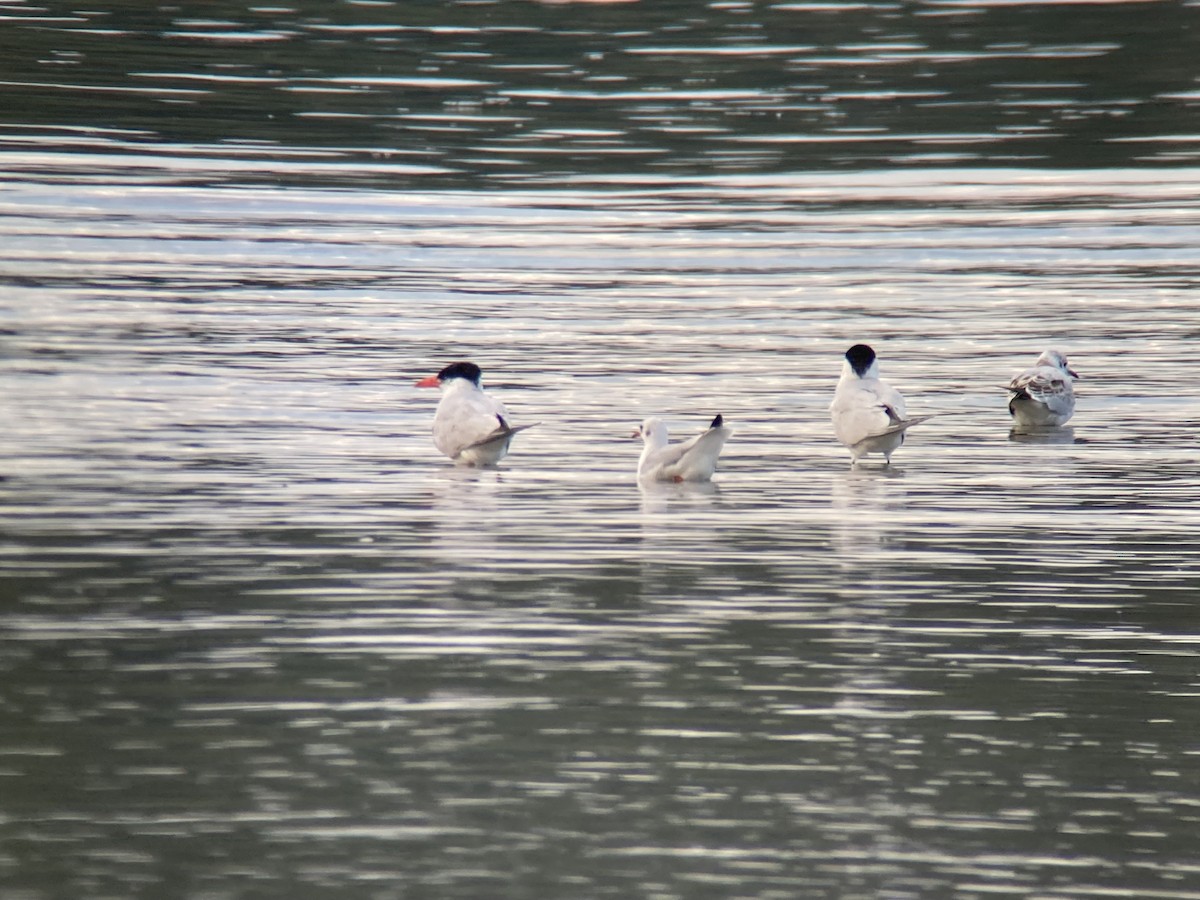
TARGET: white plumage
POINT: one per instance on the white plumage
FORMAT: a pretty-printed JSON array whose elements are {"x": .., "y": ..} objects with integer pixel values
[
  {"x": 869, "y": 415},
  {"x": 1043, "y": 396},
  {"x": 469, "y": 426},
  {"x": 691, "y": 460}
]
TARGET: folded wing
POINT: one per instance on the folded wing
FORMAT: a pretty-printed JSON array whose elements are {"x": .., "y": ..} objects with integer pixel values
[
  {"x": 502, "y": 432},
  {"x": 896, "y": 426},
  {"x": 1046, "y": 385},
  {"x": 691, "y": 460}
]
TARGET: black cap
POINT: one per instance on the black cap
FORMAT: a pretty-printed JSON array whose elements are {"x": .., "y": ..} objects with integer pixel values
[
  {"x": 466, "y": 370},
  {"x": 860, "y": 357}
]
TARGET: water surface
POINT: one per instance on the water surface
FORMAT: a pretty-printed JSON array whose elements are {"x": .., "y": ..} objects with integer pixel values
[
  {"x": 259, "y": 638},
  {"x": 489, "y": 92}
]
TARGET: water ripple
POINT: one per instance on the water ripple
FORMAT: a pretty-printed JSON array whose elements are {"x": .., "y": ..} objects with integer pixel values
[{"x": 250, "y": 610}]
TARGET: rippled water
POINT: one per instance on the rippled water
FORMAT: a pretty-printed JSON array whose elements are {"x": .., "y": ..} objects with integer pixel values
[
  {"x": 259, "y": 632},
  {"x": 498, "y": 91},
  {"x": 258, "y": 638}
]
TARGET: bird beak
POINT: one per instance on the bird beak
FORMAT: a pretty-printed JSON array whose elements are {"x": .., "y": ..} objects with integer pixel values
[
  {"x": 1073, "y": 373},
  {"x": 637, "y": 432},
  {"x": 431, "y": 381}
]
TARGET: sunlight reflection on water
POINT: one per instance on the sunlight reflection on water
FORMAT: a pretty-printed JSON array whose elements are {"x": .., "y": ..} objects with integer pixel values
[{"x": 250, "y": 603}]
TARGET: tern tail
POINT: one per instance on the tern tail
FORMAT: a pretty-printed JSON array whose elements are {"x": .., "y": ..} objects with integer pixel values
[{"x": 503, "y": 433}]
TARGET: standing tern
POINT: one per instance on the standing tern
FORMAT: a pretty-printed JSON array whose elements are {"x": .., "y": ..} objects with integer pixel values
[
  {"x": 868, "y": 414},
  {"x": 469, "y": 426}
]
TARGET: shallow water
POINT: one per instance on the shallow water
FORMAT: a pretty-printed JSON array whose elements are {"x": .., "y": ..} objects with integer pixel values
[
  {"x": 259, "y": 630},
  {"x": 260, "y": 638}
]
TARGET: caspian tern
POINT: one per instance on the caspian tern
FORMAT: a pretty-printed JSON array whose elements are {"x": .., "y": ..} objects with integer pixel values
[
  {"x": 691, "y": 460},
  {"x": 469, "y": 426},
  {"x": 868, "y": 414},
  {"x": 1042, "y": 396}
]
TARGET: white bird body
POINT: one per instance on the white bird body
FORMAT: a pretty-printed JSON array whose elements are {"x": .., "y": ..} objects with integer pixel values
[
  {"x": 691, "y": 460},
  {"x": 869, "y": 415},
  {"x": 1043, "y": 396},
  {"x": 469, "y": 426}
]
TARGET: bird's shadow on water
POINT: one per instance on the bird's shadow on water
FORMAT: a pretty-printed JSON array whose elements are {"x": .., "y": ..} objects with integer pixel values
[
  {"x": 874, "y": 470},
  {"x": 1045, "y": 436}
]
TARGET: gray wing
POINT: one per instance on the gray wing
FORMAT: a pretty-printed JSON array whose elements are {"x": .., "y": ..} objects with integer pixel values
[
  {"x": 466, "y": 421},
  {"x": 503, "y": 432},
  {"x": 696, "y": 457},
  {"x": 1047, "y": 385},
  {"x": 896, "y": 427},
  {"x": 668, "y": 455},
  {"x": 867, "y": 409}
]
